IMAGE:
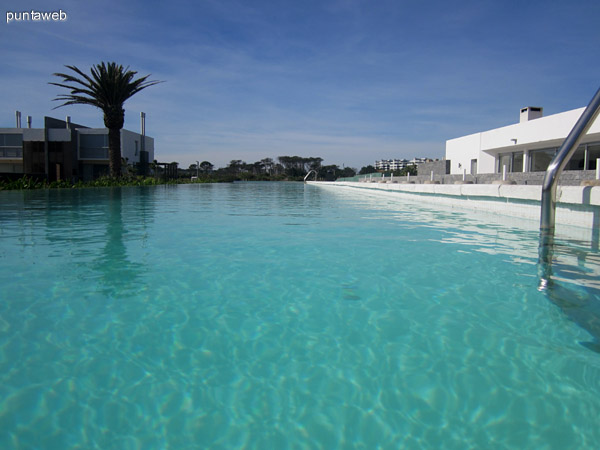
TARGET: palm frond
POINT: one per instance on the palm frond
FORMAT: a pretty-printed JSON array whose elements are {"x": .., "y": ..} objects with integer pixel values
[{"x": 108, "y": 86}]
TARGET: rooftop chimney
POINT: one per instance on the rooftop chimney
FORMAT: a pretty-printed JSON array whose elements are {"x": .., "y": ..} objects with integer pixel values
[
  {"x": 18, "y": 117},
  {"x": 68, "y": 123},
  {"x": 530, "y": 113},
  {"x": 143, "y": 130},
  {"x": 28, "y": 121}
]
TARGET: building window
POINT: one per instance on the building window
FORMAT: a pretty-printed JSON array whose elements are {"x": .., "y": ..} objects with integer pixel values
[
  {"x": 540, "y": 159},
  {"x": 93, "y": 146},
  {"x": 11, "y": 145},
  {"x": 593, "y": 153},
  {"x": 504, "y": 159},
  {"x": 473, "y": 167},
  {"x": 584, "y": 158},
  {"x": 517, "y": 162},
  {"x": 577, "y": 161},
  {"x": 512, "y": 161}
]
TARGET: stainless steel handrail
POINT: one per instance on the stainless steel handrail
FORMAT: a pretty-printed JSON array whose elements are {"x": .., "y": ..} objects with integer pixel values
[
  {"x": 558, "y": 163},
  {"x": 309, "y": 172}
]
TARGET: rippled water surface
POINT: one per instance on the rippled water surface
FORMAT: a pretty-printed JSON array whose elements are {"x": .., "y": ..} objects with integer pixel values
[{"x": 284, "y": 315}]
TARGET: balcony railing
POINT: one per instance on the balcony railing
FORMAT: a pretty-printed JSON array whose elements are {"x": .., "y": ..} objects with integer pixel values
[{"x": 11, "y": 152}]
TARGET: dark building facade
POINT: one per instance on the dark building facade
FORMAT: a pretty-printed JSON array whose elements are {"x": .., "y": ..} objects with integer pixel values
[{"x": 64, "y": 150}]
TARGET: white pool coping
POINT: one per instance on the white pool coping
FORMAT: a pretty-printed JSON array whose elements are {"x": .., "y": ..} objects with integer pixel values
[{"x": 576, "y": 205}]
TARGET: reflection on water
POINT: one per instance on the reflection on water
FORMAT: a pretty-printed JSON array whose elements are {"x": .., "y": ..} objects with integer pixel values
[
  {"x": 582, "y": 306},
  {"x": 571, "y": 279},
  {"x": 117, "y": 273},
  {"x": 574, "y": 261},
  {"x": 83, "y": 231}
]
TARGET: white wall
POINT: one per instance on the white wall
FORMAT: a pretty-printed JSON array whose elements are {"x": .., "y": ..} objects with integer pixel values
[
  {"x": 553, "y": 128},
  {"x": 461, "y": 151},
  {"x": 150, "y": 148},
  {"x": 130, "y": 146},
  {"x": 539, "y": 133}
]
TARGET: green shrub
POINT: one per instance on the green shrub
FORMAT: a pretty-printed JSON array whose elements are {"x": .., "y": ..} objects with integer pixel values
[{"x": 24, "y": 182}]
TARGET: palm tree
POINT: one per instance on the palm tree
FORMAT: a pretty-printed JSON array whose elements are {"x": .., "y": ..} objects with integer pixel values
[{"x": 109, "y": 85}]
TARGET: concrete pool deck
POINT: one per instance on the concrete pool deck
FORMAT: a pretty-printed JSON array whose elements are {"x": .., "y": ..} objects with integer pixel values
[{"x": 576, "y": 205}]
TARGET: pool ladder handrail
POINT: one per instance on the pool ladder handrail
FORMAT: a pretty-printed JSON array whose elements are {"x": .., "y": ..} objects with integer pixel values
[
  {"x": 549, "y": 185},
  {"x": 308, "y": 174}
]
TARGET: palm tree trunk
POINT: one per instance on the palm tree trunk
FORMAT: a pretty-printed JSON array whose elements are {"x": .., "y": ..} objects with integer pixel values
[{"x": 114, "y": 152}]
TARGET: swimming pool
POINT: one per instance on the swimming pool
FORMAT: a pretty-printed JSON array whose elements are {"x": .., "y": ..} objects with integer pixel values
[{"x": 282, "y": 315}]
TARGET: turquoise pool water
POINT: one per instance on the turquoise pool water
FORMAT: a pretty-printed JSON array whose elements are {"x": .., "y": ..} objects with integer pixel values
[{"x": 287, "y": 316}]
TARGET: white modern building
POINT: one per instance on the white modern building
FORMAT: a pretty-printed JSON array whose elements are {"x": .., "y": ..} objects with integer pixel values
[
  {"x": 527, "y": 146},
  {"x": 398, "y": 164}
]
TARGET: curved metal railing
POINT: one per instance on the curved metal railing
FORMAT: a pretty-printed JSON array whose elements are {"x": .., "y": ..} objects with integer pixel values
[
  {"x": 558, "y": 163},
  {"x": 308, "y": 174}
]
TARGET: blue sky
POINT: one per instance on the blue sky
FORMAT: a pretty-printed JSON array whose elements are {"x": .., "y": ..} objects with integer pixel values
[{"x": 350, "y": 81}]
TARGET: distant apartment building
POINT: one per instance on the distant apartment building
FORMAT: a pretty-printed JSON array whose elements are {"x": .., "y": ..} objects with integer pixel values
[
  {"x": 65, "y": 150},
  {"x": 388, "y": 165},
  {"x": 527, "y": 146}
]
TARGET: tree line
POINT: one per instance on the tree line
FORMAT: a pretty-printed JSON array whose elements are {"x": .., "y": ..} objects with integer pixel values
[
  {"x": 284, "y": 168},
  {"x": 109, "y": 85}
]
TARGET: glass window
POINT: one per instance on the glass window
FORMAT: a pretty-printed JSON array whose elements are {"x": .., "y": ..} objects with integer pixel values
[
  {"x": 11, "y": 140},
  {"x": 93, "y": 146},
  {"x": 517, "y": 162},
  {"x": 11, "y": 145},
  {"x": 540, "y": 159},
  {"x": 93, "y": 140},
  {"x": 473, "y": 167},
  {"x": 577, "y": 160},
  {"x": 593, "y": 153},
  {"x": 11, "y": 152},
  {"x": 93, "y": 153},
  {"x": 505, "y": 159}
]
